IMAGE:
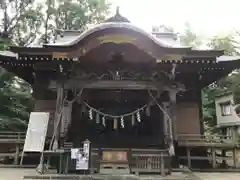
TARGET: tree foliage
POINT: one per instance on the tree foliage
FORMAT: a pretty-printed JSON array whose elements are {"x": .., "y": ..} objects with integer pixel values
[
  {"x": 73, "y": 15},
  {"x": 16, "y": 100},
  {"x": 230, "y": 45},
  {"x": 23, "y": 22},
  {"x": 20, "y": 21},
  {"x": 189, "y": 38},
  {"x": 227, "y": 43}
]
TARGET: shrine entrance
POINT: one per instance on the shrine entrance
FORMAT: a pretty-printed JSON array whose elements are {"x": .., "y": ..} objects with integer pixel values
[
  {"x": 127, "y": 129},
  {"x": 117, "y": 119}
]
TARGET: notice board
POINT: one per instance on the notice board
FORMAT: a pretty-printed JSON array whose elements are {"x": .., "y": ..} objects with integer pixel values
[{"x": 36, "y": 132}]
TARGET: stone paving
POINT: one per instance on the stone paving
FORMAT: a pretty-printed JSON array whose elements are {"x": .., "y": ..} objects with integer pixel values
[
  {"x": 218, "y": 176},
  {"x": 17, "y": 174}
]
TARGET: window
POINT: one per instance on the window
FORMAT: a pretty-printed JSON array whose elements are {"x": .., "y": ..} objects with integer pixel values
[{"x": 226, "y": 108}]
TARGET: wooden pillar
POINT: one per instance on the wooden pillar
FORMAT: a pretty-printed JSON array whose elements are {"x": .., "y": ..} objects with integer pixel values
[
  {"x": 66, "y": 118},
  {"x": 199, "y": 98},
  {"x": 58, "y": 115},
  {"x": 173, "y": 99},
  {"x": 235, "y": 157},
  {"x": 162, "y": 164},
  {"x": 189, "y": 157},
  {"x": 166, "y": 129},
  {"x": 214, "y": 158},
  {"x": 17, "y": 150},
  {"x": 235, "y": 141},
  {"x": 224, "y": 133},
  {"x": 172, "y": 122},
  {"x": 235, "y": 134}
]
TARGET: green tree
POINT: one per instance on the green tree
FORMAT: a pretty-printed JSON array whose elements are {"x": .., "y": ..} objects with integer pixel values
[
  {"x": 227, "y": 43},
  {"x": 189, "y": 38},
  {"x": 230, "y": 45},
  {"x": 73, "y": 15},
  {"x": 16, "y": 102},
  {"x": 20, "y": 21}
]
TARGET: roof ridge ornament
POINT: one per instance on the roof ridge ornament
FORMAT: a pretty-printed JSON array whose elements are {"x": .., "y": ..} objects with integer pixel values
[
  {"x": 117, "y": 17},
  {"x": 117, "y": 11}
]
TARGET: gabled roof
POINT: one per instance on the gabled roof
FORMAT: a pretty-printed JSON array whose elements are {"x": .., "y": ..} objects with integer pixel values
[
  {"x": 152, "y": 43},
  {"x": 72, "y": 38}
]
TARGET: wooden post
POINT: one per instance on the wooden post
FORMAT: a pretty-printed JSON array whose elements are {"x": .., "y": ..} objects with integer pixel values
[
  {"x": 189, "y": 157},
  {"x": 165, "y": 131},
  {"x": 214, "y": 157},
  {"x": 224, "y": 133},
  {"x": 17, "y": 149},
  {"x": 172, "y": 122},
  {"x": 235, "y": 157},
  {"x": 172, "y": 97},
  {"x": 58, "y": 115},
  {"x": 162, "y": 164},
  {"x": 235, "y": 135}
]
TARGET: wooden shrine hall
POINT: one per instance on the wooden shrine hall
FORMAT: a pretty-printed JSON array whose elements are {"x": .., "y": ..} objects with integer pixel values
[{"x": 121, "y": 88}]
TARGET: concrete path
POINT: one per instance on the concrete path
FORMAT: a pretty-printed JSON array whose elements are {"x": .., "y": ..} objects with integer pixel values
[
  {"x": 218, "y": 176},
  {"x": 15, "y": 174}
]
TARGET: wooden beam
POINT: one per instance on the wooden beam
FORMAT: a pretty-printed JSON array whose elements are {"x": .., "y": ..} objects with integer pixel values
[{"x": 121, "y": 84}]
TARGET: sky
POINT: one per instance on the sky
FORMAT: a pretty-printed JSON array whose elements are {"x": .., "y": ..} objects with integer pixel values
[{"x": 206, "y": 17}]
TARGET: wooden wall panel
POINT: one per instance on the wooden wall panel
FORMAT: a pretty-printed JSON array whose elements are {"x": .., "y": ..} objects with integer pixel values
[
  {"x": 188, "y": 118},
  {"x": 46, "y": 106}
]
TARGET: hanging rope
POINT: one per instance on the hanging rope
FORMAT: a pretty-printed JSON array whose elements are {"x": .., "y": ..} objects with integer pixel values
[
  {"x": 114, "y": 116},
  {"x": 78, "y": 95},
  {"x": 58, "y": 122},
  {"x": 60, "y": 115},
  {"x": 171, "y": 146},
  {"x": 159, "y": 106}
]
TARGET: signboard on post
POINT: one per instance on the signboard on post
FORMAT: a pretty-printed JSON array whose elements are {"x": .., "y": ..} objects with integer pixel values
[
  {"x": 36, "y": 132},
  {"x": 82, "y": 157}
]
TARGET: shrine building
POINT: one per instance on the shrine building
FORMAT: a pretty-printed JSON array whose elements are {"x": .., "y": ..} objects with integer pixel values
[{"x": 120, "y": 87}]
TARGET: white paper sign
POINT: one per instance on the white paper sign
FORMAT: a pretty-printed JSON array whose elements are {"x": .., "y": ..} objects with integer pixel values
[
  {"x": 82, "y": 162},
  {"x": 36, "y": 132},
  {"x": 74, "y": 153}
]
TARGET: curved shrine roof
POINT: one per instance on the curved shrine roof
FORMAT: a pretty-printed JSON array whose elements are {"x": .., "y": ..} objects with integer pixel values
[
  {"x": 71, "y": 38},
  {"x": 117, "y": 34}
]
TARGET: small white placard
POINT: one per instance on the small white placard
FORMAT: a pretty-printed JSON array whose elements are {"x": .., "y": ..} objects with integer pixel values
[
  {"x": 82, "y": 162},
  {"x": 74, "y": 153}
]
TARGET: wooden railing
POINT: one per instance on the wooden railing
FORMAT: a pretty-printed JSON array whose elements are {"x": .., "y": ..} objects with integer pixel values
[
  {"x": 150, "y": 160},
  {"x": 12, "y": 137},
  {"x": 205, "y": 140},
  {"x": 140, "y": 160},
  {"x": 211, "y": 143},
  {"x": 11, "y": 143}
]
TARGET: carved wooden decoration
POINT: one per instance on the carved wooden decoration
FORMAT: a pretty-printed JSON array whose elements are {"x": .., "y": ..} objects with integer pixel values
[{"x": 121, "y": 74}]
